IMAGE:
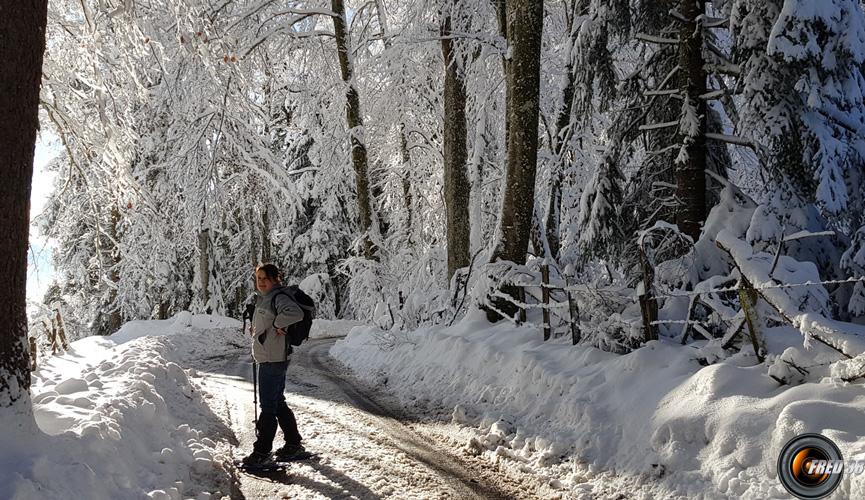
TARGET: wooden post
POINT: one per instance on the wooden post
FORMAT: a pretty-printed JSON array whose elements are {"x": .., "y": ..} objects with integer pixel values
[
  {"x": 545, "y": 298},
  {"x": 573, "y": 309},
  {"x": 521, "y": 295},
  {"x": 34, "y": 352},
  {"x": 648, "y": 304},
  {"x": 61, "y": 330},
  {"x": 687, "y": 327},
  {"x": 575, "y": 319},
  {"x": 748, "y": 299}
]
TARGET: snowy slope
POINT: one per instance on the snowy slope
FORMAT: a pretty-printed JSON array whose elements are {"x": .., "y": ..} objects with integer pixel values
[
  {"x": 655, "y": 419},
  {"x": 120, "y": 417}
]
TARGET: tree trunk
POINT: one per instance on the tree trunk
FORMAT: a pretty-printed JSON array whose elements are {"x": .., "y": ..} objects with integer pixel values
[
  {"x": 501, "y": 7},
  {"x": 22, "y": 43},
  {"x": 691, "y": 169},
  {"x": 253, "y": 239},
  {"x": 403, "y": 140},
  {"x": 115, "y": 318},
  {"x": 266, "y": 247},
  {"x": 406, "y": 182},
  {"x": 525, "y": 24},
  {"x": 563, "y": 133},
  {"x": 457, "y": 188},
  {"x": 204, "y": 265},
  {"x": 355, "y": 126},
  {"x": 162, "y": 313}
]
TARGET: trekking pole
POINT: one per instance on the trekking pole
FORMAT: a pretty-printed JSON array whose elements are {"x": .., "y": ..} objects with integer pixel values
[
  {"x": 247, "y": 315},
  {"x": 255, "y": 396}
]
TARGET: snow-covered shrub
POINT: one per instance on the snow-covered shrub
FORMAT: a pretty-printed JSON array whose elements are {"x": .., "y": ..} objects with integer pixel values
[
  {"x": 403, "y": 291},
  {"x": 853, "y": 262},
  {"x": 366, "y": 286},
  {"x": 783, "y": 216},
  {"x": 320, "y": 288}
]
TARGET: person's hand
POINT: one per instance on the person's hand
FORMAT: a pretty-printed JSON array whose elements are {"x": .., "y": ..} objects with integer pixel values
[{"x": 280, "y": 331}]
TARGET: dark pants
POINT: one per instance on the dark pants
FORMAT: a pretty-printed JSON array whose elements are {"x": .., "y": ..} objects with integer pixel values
[{"x": 271, "y": 385}]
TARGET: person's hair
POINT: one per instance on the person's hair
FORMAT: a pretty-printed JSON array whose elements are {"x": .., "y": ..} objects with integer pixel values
[{"x": 271, "y": 271}]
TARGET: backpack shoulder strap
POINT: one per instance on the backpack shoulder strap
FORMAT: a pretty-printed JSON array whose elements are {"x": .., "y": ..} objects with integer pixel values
[{"x": 282, "y": 291}]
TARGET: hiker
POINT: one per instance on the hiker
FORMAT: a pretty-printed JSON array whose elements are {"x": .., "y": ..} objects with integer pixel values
[{"x": 269, "y": 348}]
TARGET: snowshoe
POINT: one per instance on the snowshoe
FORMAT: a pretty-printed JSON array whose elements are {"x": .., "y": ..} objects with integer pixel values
[
  {"x": 292, "y": 452},
  {"x": 270, "y": 466},
  {"x": 259, "y": 462}
]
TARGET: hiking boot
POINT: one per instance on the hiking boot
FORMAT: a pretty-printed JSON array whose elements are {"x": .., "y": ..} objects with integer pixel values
[
  {"x": 256, "y": 458},
  {"x": 291, "y": 452}
]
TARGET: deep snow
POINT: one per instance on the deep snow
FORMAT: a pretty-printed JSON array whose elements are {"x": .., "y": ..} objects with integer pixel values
[
  {"x": 142, "y": 414},
  {"x": 161, "y": 409},
  {"x": 654, "y": 421},
  {"x": 123, "y": 416},
  {"x": 120, "y": 417}
]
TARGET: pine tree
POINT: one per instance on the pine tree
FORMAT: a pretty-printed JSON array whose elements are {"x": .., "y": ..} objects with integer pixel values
[{"x": 804, "y": 95}]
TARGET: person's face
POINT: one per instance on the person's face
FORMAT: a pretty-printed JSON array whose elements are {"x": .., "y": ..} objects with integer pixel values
[{"x": 262, "y": 282}]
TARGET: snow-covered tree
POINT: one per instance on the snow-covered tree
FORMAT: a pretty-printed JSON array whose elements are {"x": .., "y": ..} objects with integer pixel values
[
  {"x": 803, "y": 96},
  {"x": 525, "y": 26}
]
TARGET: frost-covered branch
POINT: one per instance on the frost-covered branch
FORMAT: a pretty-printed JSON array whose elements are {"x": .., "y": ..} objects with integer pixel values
[{"x": 657, "y": 39}]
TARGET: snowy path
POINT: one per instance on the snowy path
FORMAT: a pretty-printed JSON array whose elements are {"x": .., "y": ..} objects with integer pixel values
[{"x": 366, "y": 450}]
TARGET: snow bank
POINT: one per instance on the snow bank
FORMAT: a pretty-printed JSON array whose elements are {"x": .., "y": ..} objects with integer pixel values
[
  {"x": 121, "y": 418},
  {"x": 183, "y": 322},
  {"x": 654, "y": 415},
  {"x": 331, "y": 328}
]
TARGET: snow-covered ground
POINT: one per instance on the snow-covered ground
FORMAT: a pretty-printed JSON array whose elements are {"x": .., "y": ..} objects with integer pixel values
[
  {"x": 363, "y": 447},
  {"x": 120, "y": 417},
  {"x": 161, "y": 408},
  {"x": 653, "y": 423}
]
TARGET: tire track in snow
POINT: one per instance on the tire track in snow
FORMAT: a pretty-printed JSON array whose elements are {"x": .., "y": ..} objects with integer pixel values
[
  {"x": 401, "y": 436},
  {"x": 367, "y": 452}
]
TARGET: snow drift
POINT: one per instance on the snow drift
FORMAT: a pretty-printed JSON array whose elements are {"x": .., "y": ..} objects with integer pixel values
[
  {"x": 655, "y": 415},
  {"x": 121, "y": 418}
]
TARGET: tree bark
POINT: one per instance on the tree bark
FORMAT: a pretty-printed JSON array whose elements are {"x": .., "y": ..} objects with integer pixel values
[
  {"x": 266, "y": 247},
  {"x": 22, "y": 44},
  {"x": 525, "y": 24},
  {"x": 406, "y": 182},
  {"x": 355, "y": 126},
  {"x": 457, "y": 188},
  {"x": 501, "y": 7},
  {"x": 691, "y": 173},
  {"x": 560, "y": 144},
  {"x": 115, "y": 318},
  {"x": 204, "y": 265}
]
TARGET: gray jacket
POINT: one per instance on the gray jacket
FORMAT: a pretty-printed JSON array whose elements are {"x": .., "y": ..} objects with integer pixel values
[{"x": 272, "y": 348}]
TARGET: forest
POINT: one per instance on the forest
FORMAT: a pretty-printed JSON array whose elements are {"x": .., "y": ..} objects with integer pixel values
[
  {"x": 515, "y": 195},
  {"x": 409, "y": 161}
]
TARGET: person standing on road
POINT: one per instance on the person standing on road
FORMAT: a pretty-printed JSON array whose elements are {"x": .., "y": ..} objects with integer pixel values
[{"x": 275, "y": 310}]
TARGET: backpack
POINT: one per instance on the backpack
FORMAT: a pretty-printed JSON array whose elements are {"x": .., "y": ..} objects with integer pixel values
[{"x": 297, "y": 332}]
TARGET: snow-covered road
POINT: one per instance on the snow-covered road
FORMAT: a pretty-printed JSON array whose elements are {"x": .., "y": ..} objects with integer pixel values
[{"x": 366, "y": 447}]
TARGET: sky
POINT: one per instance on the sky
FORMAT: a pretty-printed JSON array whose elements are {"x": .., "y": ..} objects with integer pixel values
[{"x": 40, "y": 271}]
